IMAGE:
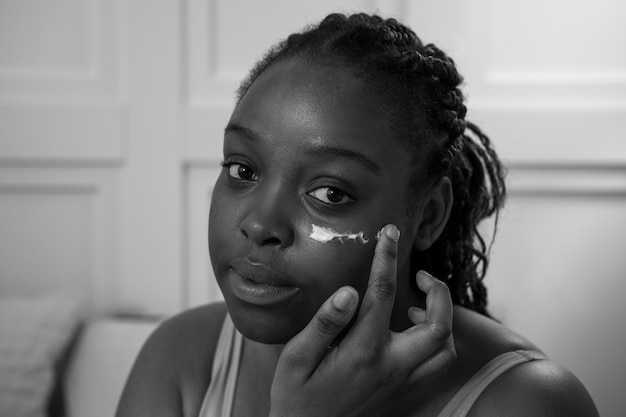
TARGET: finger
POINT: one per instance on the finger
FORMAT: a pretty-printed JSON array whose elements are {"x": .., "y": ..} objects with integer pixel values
[
  {"x": 433, "y": 327},
  {"x": 375, "y": 312},
  {"x": 438, "y": 363},
  {"x": 416, "y": 315},
  {"x": 305, "y": 350},
  {"x": 439, "y": 307}
]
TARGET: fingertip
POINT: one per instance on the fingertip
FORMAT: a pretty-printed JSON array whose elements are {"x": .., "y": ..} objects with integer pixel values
[
  {"x": 422, "y": 277},
  {"x": 345, "y": 298},
  {"x": 425, "y": 274},
  {"x": 392, "y": 232},
  {"x": 416, "y": 315}
]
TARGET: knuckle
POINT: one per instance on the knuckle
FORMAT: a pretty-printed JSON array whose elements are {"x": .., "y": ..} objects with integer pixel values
[
  {"x": 439, "y": 331},
  {"x": 367, "y": 356},
  {"x": 293, "y": 358},
  {"x": 328, "y": 324},
  {"x": 384, "y": 288},
  {"x": 450, "y": 356},
  {"x": 447, "y": 358}
]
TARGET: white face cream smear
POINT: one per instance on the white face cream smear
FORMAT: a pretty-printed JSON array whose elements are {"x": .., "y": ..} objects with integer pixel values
[{"x": 325, "y": 235}]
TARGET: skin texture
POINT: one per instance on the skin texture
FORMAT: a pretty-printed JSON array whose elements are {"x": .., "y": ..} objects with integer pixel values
[{"x": 386, "y": 361}]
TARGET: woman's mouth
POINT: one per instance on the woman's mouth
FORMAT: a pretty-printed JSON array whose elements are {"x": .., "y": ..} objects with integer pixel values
[{"x": 256, "y": 285}]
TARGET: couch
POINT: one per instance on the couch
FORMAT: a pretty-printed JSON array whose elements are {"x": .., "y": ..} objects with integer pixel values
[{"x": 56, "y": 362}]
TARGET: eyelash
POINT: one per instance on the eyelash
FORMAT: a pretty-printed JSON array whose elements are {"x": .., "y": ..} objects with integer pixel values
[
  {"x": 323, "y": 198},
  {"x": 345, "y": 200},
  {"x": 229, "y": 165}
]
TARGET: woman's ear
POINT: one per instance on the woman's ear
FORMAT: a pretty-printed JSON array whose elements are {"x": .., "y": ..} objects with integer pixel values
[{"x": 435, "y": 213}]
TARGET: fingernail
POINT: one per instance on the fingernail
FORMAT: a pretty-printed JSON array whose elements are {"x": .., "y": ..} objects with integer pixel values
[
  {"x": 425, "y": 273},
  {"x": 392, "y": 232},
  {"x": 416, "y": 314},
  {"x": 414, "y": 309},
  {"x": 343, "y": 299}
]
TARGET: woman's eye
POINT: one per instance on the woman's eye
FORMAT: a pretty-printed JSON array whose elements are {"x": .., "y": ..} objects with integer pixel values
[
  {"x": 240, "y": 171},
  {"x": 330, "y": 195}
]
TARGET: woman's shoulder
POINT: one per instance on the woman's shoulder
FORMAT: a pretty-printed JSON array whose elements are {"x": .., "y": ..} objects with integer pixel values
[
  {"x": 479, "y": 339},
  {"x": 536, "y": 387},
  {"x": 173, "y": 369},
  {"x": 193, "y": 329},
  {"x": 188, "y": 341}
]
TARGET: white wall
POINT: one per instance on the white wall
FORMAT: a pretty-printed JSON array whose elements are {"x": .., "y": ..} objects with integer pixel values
[
  {"x": 111, "y": 117},
  {"x": 547, "y": 81}
]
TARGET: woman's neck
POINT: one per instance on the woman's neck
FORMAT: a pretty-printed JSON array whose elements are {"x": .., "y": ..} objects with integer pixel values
[{"x": 256, "y": 374}]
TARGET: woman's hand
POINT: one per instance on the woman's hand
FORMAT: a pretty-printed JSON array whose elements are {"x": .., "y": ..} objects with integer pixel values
[{"x": 373, "y": 370}]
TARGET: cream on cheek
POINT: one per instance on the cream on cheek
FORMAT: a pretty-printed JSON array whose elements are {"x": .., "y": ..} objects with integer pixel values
[{"x": 326, "y": 234}]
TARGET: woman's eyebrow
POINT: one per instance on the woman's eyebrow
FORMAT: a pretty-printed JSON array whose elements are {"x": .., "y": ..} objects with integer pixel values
[
  {"x": 359, "y": 158},
  {"x": 241, "y": 131},
  {"x": 317, "y": 150}
]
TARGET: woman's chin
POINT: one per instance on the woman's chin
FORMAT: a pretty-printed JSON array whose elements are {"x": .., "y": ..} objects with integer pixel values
[
  {"x": 266, "y": 329},
  {"x": 266, "y": 338}
]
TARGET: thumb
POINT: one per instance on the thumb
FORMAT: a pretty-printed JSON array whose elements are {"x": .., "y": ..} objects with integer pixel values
[{"x": 308, "y": 347}]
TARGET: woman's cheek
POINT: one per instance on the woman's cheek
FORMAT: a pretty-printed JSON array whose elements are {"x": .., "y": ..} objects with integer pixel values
[
  {"x": 336, "y": 263},
  {"x": 222, "y": 226}
]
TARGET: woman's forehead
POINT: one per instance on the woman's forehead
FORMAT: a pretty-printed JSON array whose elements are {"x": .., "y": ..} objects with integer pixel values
[
  {"x": 294, "y": 97},
  {"x": 296, "y": 105}
]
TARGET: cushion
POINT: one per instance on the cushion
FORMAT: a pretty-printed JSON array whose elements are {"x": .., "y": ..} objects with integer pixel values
[
  {"x": 34, "y": 332},
  {"x": 101, "y": 362}
]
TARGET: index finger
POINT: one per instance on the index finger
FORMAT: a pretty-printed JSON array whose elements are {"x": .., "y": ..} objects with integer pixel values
[{"x": 375, "y": 312}]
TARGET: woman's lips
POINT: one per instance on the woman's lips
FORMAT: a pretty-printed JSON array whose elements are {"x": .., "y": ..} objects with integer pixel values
[{"x": 255, "y": 283}]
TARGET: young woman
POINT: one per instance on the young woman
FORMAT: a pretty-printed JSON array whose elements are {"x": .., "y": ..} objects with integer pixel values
[{"x": 349, "y": 168}]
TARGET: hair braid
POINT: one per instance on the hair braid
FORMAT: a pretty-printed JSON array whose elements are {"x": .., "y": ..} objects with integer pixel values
[
  {"x": 421, "y": 87},
  {"x": 479, "y": 189}
]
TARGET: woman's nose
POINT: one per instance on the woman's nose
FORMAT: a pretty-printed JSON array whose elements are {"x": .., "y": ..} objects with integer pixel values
[{"x": 267, "y": 222}]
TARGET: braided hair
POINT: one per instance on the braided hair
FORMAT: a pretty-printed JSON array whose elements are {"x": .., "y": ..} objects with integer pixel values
[{"x": 421, "y": 87}]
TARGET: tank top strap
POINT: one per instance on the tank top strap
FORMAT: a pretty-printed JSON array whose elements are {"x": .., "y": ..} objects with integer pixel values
[
  {"x": 218, "y": 401},
  {"x": 464, "y": 399}
]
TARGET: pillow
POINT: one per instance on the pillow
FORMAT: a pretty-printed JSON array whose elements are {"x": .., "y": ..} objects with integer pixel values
[{"x": 34, "y": 331}]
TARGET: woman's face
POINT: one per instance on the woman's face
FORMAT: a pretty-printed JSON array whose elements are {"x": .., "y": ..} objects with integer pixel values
[{"x": 306, "y": 146}]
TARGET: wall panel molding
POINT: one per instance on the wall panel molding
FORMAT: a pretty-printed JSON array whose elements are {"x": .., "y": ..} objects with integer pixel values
[
  {"x": 92, "y": 47},
  {"x": 59, "y": 232},
  {"x": 200, "y": 285},
  {"x": 62, "y": 81},
  {"x": 72, "y": 132},
  {"x": 570, "y": 181},
  {"x": 542, "y": 134}
]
